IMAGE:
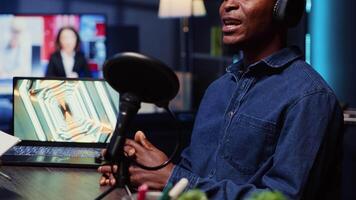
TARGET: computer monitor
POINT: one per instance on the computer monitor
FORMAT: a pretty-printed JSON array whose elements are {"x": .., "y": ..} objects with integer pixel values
[{"x": 27, "y": 41}]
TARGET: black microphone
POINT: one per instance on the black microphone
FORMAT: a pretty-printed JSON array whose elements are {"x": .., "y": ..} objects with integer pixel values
[
  {"x": 137, "y": 78},
  {"x": 128, "y": 107}
]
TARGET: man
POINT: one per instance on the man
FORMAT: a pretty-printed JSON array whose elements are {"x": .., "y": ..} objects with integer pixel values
[{"x": 260, "y": 126}]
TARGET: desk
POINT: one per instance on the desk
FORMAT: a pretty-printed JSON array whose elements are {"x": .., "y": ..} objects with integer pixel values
[{"x": 39, "y": 183}]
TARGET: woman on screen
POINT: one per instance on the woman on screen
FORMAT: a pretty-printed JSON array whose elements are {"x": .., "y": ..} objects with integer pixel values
[{"x": 68, "y": 60}]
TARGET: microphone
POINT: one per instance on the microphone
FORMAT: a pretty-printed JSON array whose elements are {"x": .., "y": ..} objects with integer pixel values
[
  {"x": 128, "y": 107},
  {"x": 137, "y": 78}
]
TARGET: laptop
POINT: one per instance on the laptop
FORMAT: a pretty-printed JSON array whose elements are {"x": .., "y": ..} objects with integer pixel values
[{"x": 62, "y": 122}]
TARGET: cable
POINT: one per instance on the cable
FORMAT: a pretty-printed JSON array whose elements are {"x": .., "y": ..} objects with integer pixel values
[
  {"x": 178, "y": 143},
  {"x": 100, "y": 159}
]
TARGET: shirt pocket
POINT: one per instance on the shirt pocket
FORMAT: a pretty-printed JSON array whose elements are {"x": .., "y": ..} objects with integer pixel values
[{"x": 248, "y": 142}]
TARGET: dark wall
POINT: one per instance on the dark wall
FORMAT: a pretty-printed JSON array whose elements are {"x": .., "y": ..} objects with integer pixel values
[
  {"x": 107, "y": 7},
  {"x": 343, "y": 41},
  {"x": 157, "y": 37},
  {"x": 8, "y": 6}
]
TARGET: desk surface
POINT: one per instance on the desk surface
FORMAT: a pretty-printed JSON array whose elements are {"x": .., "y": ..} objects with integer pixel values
[{"x": 52, "y": 183}]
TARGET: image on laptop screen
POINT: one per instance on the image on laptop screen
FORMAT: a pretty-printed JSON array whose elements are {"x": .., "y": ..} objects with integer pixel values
[{"x": 69, "y": 110}]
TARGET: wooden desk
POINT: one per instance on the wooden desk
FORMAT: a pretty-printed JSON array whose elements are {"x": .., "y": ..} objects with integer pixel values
[{"x": 39, "y": 183}]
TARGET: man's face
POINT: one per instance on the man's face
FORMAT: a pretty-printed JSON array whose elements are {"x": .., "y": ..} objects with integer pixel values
[{"x": 245, "y": 21}]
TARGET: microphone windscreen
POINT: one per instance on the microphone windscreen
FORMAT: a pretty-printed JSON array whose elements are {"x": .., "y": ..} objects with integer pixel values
[{"x": 148, "y": 78}]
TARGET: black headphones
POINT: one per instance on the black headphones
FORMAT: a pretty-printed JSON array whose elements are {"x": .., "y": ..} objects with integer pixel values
[{"x": 289, "y": 12}]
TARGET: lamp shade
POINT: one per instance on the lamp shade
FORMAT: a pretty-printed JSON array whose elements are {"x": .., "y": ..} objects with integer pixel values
[
  {"x": 198, "y": 8},
  {"x": 181, "y": 8}
]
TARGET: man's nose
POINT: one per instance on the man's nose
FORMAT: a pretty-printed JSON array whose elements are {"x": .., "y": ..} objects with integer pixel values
[{"x": 229, "y": 5}]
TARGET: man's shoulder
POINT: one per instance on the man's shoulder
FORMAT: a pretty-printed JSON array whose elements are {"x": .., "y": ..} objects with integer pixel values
[
  {"x": 306, "y": 78},
  {"x": 222, "y": 81}
]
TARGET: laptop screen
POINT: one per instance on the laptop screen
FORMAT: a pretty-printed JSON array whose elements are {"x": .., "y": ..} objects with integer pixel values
[{"x": 64, "y": 110}]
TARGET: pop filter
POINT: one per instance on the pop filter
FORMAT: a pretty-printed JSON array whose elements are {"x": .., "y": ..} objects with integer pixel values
[{"x": 149, "y": 79}]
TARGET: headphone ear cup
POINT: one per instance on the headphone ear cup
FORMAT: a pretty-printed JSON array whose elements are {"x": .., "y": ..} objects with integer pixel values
[
  {"x": 279, "y": 10},
  {"x": 288, "y": 12}
]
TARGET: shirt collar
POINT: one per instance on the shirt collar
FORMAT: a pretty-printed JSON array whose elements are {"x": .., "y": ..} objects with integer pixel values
[
  {"x": 276, "y": 60},
  {"x": 283, "y": 57}
]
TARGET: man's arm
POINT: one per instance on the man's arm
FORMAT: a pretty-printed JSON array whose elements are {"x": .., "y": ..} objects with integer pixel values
[{"x": 305, "y": 125}]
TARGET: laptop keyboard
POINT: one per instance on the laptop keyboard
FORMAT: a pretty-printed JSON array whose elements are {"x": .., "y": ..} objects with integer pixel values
[{"x": 54, "y": 151}]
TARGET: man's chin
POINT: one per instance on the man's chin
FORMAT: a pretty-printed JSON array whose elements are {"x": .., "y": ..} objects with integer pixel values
[
  {"x": 232, "y": 41},
  {"x": 232, "y": 48}
]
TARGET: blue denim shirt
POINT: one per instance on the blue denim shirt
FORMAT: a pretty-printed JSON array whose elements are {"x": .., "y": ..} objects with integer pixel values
[{"x": 260, "y": 128}]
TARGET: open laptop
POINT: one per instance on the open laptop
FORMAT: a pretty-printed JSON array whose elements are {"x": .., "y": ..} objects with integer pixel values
[{"x": 62, "y": 122}]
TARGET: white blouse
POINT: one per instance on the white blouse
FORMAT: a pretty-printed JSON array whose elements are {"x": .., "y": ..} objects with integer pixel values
[{"x": 68, "y": 63}]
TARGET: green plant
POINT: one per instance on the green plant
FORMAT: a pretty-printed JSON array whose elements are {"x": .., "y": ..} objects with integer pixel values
[
  {"x": 267, "y": 195},
  {"x": 194, "y": 194}
]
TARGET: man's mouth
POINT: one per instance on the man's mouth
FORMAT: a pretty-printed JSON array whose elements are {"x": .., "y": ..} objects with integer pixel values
[{"x": 230, "y": 24}]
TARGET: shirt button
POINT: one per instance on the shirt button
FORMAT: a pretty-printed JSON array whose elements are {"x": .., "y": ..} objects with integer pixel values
[
  {"x": 231, "y": 113},
  {"x": 243, "y": 85}
]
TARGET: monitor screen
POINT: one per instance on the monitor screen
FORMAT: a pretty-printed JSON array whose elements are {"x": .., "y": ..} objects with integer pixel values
[
  {"x": 64, "y": 110},
  {"x": 27, "y": 41}
]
